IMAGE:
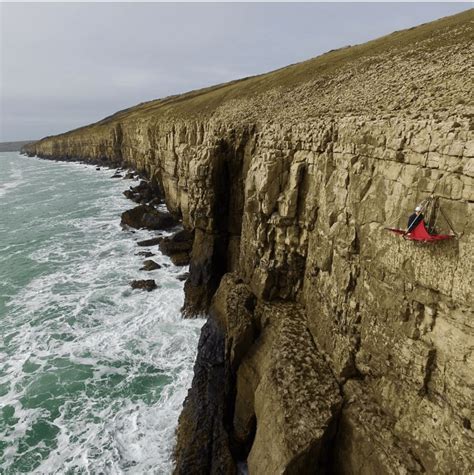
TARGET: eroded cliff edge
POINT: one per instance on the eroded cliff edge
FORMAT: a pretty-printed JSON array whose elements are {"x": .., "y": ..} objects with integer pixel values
[{"x": 331, "y": 345}]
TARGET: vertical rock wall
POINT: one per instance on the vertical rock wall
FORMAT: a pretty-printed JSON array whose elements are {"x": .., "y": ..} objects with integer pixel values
[
  {"x": 393, "y": 317},
  {"x": 368, "y": 365}
]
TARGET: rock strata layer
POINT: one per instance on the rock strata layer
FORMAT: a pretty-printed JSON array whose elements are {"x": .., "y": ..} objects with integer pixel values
[{"x": 332, "y": 346}]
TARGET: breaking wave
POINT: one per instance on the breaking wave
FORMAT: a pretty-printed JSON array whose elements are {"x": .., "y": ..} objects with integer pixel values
[{"x": 93, "y": 374}]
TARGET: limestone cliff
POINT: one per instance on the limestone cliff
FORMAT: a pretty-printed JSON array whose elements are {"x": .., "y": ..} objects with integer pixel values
[{"x": 331, "y": 344}]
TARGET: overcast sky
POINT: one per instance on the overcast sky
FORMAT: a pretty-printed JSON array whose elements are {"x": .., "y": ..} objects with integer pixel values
[{"x": 64, "y": 65}]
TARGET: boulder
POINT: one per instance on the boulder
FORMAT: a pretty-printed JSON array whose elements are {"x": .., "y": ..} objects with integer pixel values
[
  {"x": 145, "y": 253},
  {"x": 178, "y": 247},
  {"x": 182, "y": 241},
  {"x": 145, "y": 216},
  {"x": 129, "y": 194},
  {"x": 183, "y": 277},
  {"x": 116, "y": 175},
  {"x": 180, "y": 258},
  {"x": 155, "y": 201},
  {"x": 147, "y": 284},
  {"x": 144, "y": 192},
  {"x": 149, "y": 265},
  {"x": 150, "y": 242}
]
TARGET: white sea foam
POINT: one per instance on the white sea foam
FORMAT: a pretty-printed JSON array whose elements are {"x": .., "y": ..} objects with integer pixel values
[
  {"x": 13, "y": 180},
  {"x": 112, "y": 364}
]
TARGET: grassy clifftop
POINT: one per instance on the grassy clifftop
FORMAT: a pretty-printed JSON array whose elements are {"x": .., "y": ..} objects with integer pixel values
[{"x": 422, "y": 69}]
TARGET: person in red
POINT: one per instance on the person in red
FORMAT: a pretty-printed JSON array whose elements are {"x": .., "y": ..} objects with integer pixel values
[{"x": 414, "y": 219}]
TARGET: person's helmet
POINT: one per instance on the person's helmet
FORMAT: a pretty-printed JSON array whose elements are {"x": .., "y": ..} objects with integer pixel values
[{"x": 418, "y": 209}]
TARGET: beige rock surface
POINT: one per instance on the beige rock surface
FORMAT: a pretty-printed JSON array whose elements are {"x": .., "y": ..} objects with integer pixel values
[{"x": 296, "y": 398}]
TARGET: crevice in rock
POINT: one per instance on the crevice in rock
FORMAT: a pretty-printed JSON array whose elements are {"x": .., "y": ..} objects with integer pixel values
[
  {"x": 214, "y": 252},
  {"x": 332, "y": 461},
  {"x": 429, "y": 368}
]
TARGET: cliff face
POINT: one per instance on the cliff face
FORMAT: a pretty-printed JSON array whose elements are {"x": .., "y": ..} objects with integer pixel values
[{"x": 331, "y": 345}]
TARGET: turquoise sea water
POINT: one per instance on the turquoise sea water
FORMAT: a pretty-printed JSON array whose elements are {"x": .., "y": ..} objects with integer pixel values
[{"x": 92, "y": 373}]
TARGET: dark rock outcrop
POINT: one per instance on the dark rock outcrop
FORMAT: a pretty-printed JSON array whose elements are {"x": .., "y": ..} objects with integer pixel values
[
  {"x": 150, "y": 265},
  {"x": 145, "y": 253},
  {"x": 178, "y": 247},
  {"x": 150, "y": 242},
  {"x": 144, "y": 216},
  {"x": 181, "y": 241},
  {"x": 148, "y": 284},
  {"x": 207, "y": 266},
  {"x": 180, "y": 258},
  {"x": 144, "y": 192},
  {"x": 203, "y": 445}
]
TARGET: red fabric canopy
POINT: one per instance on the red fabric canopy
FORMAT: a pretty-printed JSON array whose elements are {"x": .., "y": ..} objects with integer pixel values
[{"x": 420, "y": 233}]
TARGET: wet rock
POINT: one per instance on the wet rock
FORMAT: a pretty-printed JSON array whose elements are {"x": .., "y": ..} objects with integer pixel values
[
  {"x": 178, "y": 247},
  {"x": 183, "y": 277},
  {"x": 150, "y": 242},
  {"x": 180, "y": 258},
  {"x": 98, "y": 168},
  {"x": 129, "y": 176},
  {"x": 116, "y": 175},
  {"x": 148, "y": 284},
  {"x": 182, "y": 241},
  {"x": 145, "y": 216},
  {"x": 144, "y": 192},
  {"x": 129, "y": 194},
  {"x": 149, "y": 265},
  {"x": 155, "y": 201},
  {"x": 206, "y": 268},
  {"x": 202, "y": 441},
  {"x": 145, "y": 253}
]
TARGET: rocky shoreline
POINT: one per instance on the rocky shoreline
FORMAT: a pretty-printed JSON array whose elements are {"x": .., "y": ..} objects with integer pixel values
[{"x": 147, "y": 215}]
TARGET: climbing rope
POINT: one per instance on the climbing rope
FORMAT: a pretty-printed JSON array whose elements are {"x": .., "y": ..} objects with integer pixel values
[
  {"x": 429, "y": 207},
  {"x": 396, "y": 219},
  {"x": 431, "y": 215},
  {"x": 449, "y": 223},
  {"x": 423, "y": 204}
]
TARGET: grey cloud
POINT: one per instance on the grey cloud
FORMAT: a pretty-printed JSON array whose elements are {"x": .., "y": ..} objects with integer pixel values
[{"x": 65, "y": 65}]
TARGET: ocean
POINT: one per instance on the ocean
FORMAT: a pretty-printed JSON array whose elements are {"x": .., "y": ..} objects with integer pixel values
[{"x": 93, "y": 374}]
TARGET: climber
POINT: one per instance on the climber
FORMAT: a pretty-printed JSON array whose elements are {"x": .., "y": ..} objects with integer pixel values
[
  {"x": 418, "y": 230},
  {"x": 415, "y": 218}
]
